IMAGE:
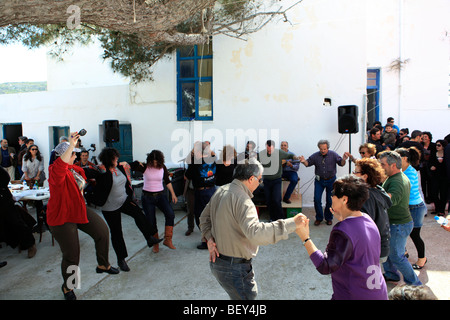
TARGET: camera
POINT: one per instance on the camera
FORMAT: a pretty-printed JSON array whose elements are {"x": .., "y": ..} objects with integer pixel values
[{"x": 82, "y": 132}]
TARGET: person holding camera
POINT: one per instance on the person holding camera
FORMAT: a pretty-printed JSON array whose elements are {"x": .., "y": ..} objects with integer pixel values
[{"x": 67, "y": 213}]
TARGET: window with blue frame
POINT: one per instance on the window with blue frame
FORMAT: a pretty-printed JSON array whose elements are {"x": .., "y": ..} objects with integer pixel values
[
  {"x": 194, "y": 83},
  {"x": 373, "y": 96}
]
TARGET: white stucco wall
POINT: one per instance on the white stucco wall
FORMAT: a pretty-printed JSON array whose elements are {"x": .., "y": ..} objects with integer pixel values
[
  {"x": 272, "y": 85},
  {"x": 416, "y": 32}
]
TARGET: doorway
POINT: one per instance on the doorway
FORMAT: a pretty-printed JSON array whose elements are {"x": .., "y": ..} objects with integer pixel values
[
  {"x": 373, "y": 96},
  {"x": 12, "y": 132},
  {"x": 58, "y": 132}
]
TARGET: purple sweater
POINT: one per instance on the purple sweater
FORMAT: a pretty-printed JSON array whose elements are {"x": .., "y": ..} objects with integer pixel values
[{"x": 352, "y": 257}]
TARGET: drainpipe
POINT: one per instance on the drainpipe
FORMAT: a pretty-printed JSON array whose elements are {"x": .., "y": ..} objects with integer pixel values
[{"x": 400, "y": 57}]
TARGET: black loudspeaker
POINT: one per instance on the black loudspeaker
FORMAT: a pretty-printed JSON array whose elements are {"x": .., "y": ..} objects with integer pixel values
[
  {"x": 111, "y": 132},
  {"x": 348, "y": 119}
]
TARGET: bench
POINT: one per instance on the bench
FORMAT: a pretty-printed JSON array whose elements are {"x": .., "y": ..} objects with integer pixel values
[{"x": 296, "y": 200}]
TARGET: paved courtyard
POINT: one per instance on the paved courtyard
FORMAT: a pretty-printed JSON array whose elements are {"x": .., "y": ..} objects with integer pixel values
[{"x": 283, "y": 271}]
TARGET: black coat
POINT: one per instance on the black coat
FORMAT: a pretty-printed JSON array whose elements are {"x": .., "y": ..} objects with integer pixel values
[
  {"x": 376, "y": 207},
  {"x": 103, "y": 187},
  {"x": 15, "y": 222}
]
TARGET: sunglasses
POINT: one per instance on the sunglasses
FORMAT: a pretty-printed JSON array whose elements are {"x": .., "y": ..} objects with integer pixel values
[
  {"x": 34, "y": 149},
  {"x": 362, "y": 152},
  {"x": 438, "y": 145}
]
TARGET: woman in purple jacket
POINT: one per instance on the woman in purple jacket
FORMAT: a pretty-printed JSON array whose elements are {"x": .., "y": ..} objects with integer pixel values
[{"x": 353, "y": 251}]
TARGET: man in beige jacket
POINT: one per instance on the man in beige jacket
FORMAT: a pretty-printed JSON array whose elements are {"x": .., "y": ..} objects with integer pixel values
[{"x": 231, "y": 226}]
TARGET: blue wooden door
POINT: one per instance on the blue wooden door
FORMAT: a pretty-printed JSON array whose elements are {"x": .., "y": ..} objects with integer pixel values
[
  {"x": 59, "y": 132},
  {"x": 125, "y": 143}
]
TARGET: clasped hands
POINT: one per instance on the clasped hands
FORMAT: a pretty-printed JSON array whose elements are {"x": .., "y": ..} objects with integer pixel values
[
  {"x": 302, "y": 230},
  {"x": 302, "y": 223}
]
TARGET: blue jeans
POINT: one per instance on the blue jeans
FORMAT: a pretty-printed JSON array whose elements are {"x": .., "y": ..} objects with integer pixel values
[
  {"x": 272, "y": 193},
  {"x": 319, "y": 187},
  {"x": 292, "y": 176},
  {"x": 418, "y": 212},
  {"x": 238, "y": 280},
  {"x": 149, "y": 204},
  {"x": 396, "y": 260}
]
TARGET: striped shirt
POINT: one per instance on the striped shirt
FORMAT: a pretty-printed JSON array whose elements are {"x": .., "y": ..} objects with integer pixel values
[{"x": 414, "y": 196}]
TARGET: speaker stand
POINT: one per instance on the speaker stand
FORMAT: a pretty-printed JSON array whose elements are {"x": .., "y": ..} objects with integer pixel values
[{"x": 349, "y": 151}]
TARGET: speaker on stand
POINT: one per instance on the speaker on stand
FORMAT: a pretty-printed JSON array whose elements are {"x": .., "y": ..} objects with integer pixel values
[
  {"x": 111, "y": 131},
  {"x": 348, "y": 123}
]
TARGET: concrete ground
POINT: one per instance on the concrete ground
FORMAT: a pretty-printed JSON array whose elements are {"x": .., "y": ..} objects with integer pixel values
[{"x": 283, "y": 270}]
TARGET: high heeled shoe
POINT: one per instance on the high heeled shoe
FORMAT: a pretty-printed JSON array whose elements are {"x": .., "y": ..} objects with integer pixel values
[{"x": 417, "y": 267}]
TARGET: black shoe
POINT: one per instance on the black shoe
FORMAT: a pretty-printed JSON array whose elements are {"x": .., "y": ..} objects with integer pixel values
[
  {"x": 123, "y": 265},
  {"x": 69, "y": 295},
  {"x": 287, "y": 200},
  {"x": 387, "y": 279},
  {"x": 202, "y": 246},
  {"x": 3, "y": 263},
  {"x": 153, "y": 240},
  {"x": 111, "y": 270}
]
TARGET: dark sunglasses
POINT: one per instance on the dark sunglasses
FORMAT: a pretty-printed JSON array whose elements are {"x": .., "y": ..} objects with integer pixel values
[
  {"x": 438, "y": 145},
  {"x": 34, "y": 149}
]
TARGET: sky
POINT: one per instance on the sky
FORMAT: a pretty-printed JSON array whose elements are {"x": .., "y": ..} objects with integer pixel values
[{"x": 20, "y": 64}]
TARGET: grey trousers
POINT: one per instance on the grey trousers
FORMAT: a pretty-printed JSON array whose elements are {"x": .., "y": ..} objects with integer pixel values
[{"x": 67, "y": 237}]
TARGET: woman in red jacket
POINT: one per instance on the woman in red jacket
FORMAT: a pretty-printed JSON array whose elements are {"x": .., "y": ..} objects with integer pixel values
[{"x": 67, "y": 212}]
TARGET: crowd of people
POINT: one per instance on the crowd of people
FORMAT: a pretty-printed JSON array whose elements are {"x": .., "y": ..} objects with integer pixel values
[{"x": 379, "y": 206}]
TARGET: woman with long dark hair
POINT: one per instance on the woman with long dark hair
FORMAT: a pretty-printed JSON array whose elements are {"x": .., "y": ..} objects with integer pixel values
[
  {"x": 113, "y": 192},
  {"x": 33, "y": 173},
  {"x": 439, "y": 179},
  {"x": 153, "y": 196},
  {"x": 410, "y": 159},
  {"x": 33, "y": 167}
]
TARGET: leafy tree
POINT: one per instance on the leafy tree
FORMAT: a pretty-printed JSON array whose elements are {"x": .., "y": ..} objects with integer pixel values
[{"x": 134, "y": 34}]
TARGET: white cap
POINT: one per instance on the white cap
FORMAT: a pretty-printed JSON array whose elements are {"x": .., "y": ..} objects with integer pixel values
[{"x": 62, "y": 147}]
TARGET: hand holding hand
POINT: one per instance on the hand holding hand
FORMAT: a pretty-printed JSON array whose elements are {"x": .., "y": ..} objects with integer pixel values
[
  {"x": 346, "y": 155},
  {"x": 302, "y": 227}
]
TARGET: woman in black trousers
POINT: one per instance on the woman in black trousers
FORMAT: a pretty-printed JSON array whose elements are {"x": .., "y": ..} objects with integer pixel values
[{"x": 113, "y": 192}]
